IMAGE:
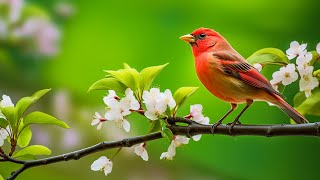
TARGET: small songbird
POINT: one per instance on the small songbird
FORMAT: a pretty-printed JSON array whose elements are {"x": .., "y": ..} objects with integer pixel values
[{"x": 227, "y": 75}]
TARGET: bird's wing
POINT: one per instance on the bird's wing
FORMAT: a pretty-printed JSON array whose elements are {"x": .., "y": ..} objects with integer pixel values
[{"x": 235, "y": 65}]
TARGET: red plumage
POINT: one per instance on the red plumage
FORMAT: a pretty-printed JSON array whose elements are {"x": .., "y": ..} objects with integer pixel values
[{"x": 227, "y": 75}]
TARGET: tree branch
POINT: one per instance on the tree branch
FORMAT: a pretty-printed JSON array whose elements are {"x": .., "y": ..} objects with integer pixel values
[{"x": 191, "y": 128}]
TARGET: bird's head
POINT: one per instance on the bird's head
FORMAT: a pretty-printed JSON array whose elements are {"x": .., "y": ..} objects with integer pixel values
[{"x": 203, "y": 40}]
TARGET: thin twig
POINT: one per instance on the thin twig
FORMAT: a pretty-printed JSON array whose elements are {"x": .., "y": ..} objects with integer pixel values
[{"x": 192, "y": 128}]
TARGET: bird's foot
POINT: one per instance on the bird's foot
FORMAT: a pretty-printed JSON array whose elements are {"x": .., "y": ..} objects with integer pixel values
[
  {"x": 215, "y": 125},
  {"x": 235, "y": 122}
]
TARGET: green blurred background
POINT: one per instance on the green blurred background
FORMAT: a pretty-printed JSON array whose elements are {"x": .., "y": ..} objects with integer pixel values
[{"x": 104, "y": 34}]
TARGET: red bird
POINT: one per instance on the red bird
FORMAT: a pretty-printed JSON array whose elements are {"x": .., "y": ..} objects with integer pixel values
[{"x": 227, "y": 75}]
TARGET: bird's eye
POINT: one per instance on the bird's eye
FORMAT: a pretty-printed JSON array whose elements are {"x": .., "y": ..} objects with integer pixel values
[{"x": 202, "y": 36}]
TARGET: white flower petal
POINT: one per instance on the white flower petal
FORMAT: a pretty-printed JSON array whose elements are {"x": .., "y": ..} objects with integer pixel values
[
  {"x": 144, "y": 155},
  {"x": 318, "y": 48},
  {"x": 1, "y": 141},
  {"x": 6, "y": 101},
  {"x": 294, "y": 44},
  {"x": 108, "y": 168},
  {"x": 126, "y": 125},
  {"x": 99, "y": 126},
  {"x": 98, "y": 164},
  {"x": 258, "y": 66},
  {"x": 197, "y": 137},
  {"x": 151, "y": 115},
  {"x": 95, "y": 122}
]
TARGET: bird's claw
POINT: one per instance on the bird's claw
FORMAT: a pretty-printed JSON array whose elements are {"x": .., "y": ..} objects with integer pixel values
[
  {"x": 214, "y": 126},
  {"x": 235, "y": 122}
]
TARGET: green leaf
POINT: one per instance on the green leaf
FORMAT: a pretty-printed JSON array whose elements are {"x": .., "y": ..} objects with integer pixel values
[
  {"x": 167, "y": 134},
  {"x": 311, "y": 105},
  {"x": 24, "y": 103},
  {"x": 11, "y": 115},
  {"x": 126, "y": 66},
  {"x": 108, "y": 84},
  {"x": 268, "y": 56},
  {"x": 34, "y": 150},
  {"x": 299, "y": 98},
  {"x": 1, "y": 178},
  {"x": 3, "y": 123},
  {"x": 155, "y": 126},
  {"x": 43, "y": 118},
  {"x": 148, "y": 75},
  {"x": 24, "y": 137},
  {"x": 129, "y": 77},
  {"x": 182, "y": 94}
]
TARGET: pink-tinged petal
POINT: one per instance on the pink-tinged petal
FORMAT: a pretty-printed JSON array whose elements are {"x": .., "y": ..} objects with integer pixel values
[
  {"x": 197, "y": 137},
  {"x": 308, "y": 56},
  {"x": 302, "y": 47},
  {"x": 294, "y": 44},
  {"x": 291, "y": 67}
]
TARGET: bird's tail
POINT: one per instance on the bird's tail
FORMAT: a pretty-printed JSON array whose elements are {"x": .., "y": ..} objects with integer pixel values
[{"x": 290, "y": 111}]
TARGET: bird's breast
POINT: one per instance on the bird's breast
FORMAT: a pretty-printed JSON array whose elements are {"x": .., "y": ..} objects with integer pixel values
[{"x": 219, "y": 84}]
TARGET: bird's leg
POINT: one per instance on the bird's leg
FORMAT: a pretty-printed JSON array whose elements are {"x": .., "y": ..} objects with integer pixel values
[
  {"x": 236, "y": 120},
  {"x": 215, "y": 125}
]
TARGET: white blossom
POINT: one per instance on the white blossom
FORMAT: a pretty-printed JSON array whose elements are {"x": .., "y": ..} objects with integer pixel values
[
  {"x": 102, "y": 164},
  {"x": 169, "y": 99},
  {"x": 308, "y": 83},
  {"x": 296, "y": 50},
  {"x": 304, "y": 60},
  {"x": 3, "y": 135},
  {"x": 180, "y": 140},
  {"x": 258, "y": 66},
  {"x": 116, "y": 113},
  {"x": 286, "y": 75},
  {"x": 98, "y": 120},
  {"x": 197, "y": 116},
  {"x": 318, "y": 48},
  {"x": 6, "y": 102},
  {"x": 170, "y": 153},
  {"x": 130, "y": 101},
  {"x": 157, "y": 102},
  {"x": 45, "y": 35},
  {"x": 305, "y": 70},
  {"x": 141, "y": 151},
  {"x": 110, "y": 98}
]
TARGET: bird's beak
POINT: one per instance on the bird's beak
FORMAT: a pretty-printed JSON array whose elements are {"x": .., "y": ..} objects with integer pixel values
[{"x": 188, "y": 38}]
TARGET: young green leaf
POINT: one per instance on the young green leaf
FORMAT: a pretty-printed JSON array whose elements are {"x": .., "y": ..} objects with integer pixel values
[
  {"x": 24, "y": 103},
  {"x": 268, "y": 56},
  {"x": 24, "y": 137},
  {"x": 3, "y": 123},
  {"x": 11, "y": 115},
  {"x": 167, "y": 134},
  {"x": 1, "y": 178},
  {"x": 182, "y": 94},
  {"x": 311, "y": 105},
  {"x": 129, "y": 77},
  {"x": 148, "y": 75},
  {"x": 299, "y": 98},
  {"x": 108, "y": 84},
  {"x": 43, "y": 118},
  {"x": 32, "y": 150}
]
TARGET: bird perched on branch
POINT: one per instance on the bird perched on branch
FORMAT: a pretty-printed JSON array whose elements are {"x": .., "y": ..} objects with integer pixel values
[{"x": 227, "y": 75}]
